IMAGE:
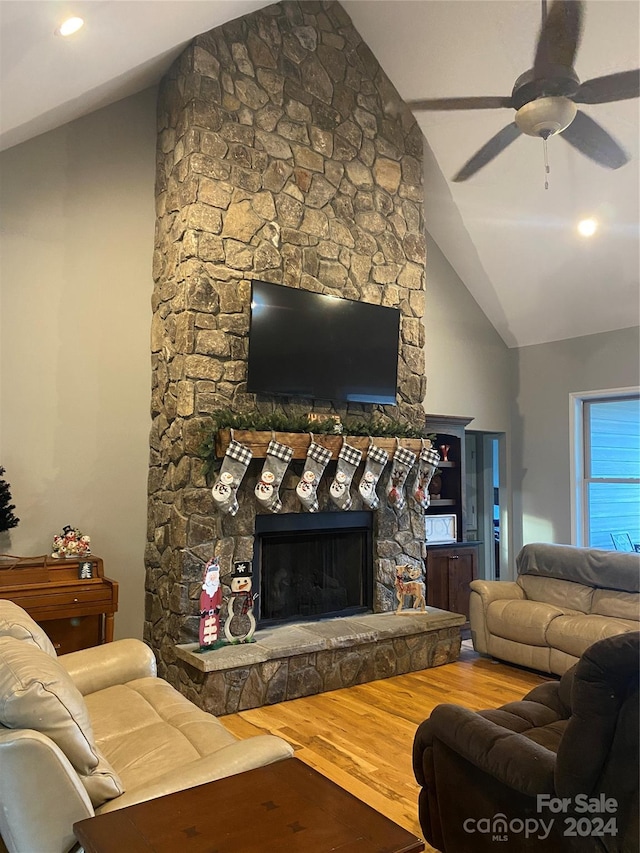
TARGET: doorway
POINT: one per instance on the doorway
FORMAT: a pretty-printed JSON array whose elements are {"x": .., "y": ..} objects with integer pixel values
[{"x": 486, "y": 499}]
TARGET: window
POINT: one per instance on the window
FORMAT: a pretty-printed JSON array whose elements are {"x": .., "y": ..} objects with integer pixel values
[{"x": 607, "y": 470}]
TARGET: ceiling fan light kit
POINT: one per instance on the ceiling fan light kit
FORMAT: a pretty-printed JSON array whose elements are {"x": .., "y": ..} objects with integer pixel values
[
  {"x": 546, "y": 116},
  {"x": 70, "y": 26},
  {"x": 545, "y": 97}
]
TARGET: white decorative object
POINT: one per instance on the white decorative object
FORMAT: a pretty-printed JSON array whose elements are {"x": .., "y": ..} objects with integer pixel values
[
  {"x": 71, "y": 543},
  {"x": 440, "y": 528}
]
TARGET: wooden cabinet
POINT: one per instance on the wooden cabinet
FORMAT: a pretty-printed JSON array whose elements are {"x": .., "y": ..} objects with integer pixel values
[
  {"x": 450, "y": 570},
  {"x": 71, "y": 599}
]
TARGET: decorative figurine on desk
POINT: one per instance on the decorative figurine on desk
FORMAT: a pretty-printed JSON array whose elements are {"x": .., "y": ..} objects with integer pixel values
[
  {"x": 240, "y": 605},
  {"x": 71, "y": 543},
  {"x": 210, "y": 603},
  {"x": 409, "y": 582}
]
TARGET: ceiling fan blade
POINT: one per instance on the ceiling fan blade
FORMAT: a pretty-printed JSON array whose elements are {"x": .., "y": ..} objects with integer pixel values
[
  {"x": 559, "y": 36},
  {"x": 474, "y": 103},
  {"x": 591, "y": 139},
  {"x": 612, "y": 87},
  {"x": 488, "y": 151}
]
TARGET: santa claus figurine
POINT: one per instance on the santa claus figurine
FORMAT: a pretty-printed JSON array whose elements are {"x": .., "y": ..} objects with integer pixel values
[{"x": 210, "y": 603}]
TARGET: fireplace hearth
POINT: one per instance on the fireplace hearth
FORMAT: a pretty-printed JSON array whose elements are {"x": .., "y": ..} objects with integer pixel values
[{"x": 310, "y": 566}]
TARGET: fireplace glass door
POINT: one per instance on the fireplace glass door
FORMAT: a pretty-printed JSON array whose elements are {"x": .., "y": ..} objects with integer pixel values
[{"x": 313, "y": 566}]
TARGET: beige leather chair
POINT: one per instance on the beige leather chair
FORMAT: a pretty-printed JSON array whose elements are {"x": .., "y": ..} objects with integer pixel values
[{"x": 97, "y": 730}]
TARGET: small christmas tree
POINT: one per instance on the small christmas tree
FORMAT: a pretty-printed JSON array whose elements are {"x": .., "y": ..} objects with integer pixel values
[{"x": 7, "y": 518}]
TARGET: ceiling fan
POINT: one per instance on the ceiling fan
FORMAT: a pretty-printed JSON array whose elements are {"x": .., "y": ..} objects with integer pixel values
[{"x": 546, "y": 95}]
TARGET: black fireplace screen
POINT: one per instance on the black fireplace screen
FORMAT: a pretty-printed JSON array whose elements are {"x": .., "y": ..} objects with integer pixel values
[{"x": 309, "y": 566}]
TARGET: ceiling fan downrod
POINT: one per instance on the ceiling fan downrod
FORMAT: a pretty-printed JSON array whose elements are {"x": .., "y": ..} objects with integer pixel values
[{"x": 546, "y": 162}]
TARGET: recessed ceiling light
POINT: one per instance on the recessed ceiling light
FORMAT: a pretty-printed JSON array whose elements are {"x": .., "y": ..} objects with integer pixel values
[
  {"x": 70, "y": 26},
  {"x": 587, "y": 227}
]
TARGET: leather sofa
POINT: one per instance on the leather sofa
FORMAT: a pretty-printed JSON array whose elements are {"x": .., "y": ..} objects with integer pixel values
[
  {"x": 564, "y": 599},
  {"x": 556, "y": 771},
  {"x": 97, "y": 730}
]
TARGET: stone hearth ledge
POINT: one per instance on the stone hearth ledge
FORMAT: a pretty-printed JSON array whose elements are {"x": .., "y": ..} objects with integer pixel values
[
  {"x": 305, "y": 658},
  {"x": 303, "y": 638}
]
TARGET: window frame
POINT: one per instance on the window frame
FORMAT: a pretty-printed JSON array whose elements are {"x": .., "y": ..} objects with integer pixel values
[{"x": 580, "y": 447}]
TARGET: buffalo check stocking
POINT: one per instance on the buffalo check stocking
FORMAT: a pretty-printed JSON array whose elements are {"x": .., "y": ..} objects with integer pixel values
[
  {"x": 348, "y": 460},
  {"x": 307, "y": 488},
  {"x": 234, "y": 467},
  {"x": 377, "y": 458},
  {"x": 403, "y": 460},
  {"x": 275, "y": 465},
  {"x": 427, "y": 466}
]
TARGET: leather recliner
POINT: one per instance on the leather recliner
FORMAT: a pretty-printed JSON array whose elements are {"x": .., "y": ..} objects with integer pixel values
[
  {"x": 564, "y": 599},
  {"x": 555, "y": 771}
]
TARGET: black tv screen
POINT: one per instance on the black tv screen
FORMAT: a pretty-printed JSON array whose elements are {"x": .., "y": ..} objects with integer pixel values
[{"x": 304, "y": 344}]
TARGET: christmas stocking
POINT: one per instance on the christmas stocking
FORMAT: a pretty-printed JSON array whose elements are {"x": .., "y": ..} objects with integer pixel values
[
  {"x": 348, "y": 460},
  {"x": 402, "y": 463},
  {"x": 276, "y": 463},
  {"x": 234, "y": 467},
  {"x": 427, "y": 465},
  {"x": 377, "y": 458},
  {"x": 317, "y": 459}
]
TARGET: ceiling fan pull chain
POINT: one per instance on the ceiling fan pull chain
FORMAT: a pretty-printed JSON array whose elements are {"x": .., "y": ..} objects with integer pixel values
[{"x": 546, "y": 163}]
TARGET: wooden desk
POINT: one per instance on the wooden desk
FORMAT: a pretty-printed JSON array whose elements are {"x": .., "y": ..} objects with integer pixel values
[
  {"x": 75, "y": 612},
  {"x": 285, "y": 807}
]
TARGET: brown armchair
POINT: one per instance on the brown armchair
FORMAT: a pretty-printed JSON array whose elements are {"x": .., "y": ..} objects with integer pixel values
[{"x": 555, "y": 771}]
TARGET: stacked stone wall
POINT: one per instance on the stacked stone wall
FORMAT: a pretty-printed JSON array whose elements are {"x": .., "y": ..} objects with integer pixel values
[{"x": 284, "y": 154}]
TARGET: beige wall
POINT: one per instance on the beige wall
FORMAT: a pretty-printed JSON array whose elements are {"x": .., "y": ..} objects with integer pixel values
[
  {"x": 75, "y": 288},
  {"x": 467, "y": 362},
  {"x": 546, "y": 374}
]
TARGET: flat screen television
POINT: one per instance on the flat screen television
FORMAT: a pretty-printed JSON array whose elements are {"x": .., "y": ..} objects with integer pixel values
[{"x": 304, "y": 344}]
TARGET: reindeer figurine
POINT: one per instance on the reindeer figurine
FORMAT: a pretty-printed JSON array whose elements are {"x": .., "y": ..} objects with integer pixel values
[{"x": 409, "y": 582}]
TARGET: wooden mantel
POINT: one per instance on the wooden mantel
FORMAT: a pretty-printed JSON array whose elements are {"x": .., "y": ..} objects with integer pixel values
[{"x": 258, "y": 441}]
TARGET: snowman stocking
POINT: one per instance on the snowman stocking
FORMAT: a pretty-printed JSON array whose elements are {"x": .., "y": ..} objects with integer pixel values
[
  {"x": 427, "y": 465},
  {"x": 234, "y": 467},
  {"x": 402, "y": 463},
  {"x": 275, "y": 465},
  {"x": 317, "y": 459},
  {"x": 377, "y": 458},
  {"x": 348, "y": 460}
]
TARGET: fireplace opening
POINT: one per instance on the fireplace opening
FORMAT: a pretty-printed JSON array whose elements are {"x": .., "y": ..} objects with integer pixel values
[{"x": 310, "y": 566}]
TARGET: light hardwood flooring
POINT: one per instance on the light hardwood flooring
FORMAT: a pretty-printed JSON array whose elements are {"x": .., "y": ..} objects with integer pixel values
[{"x": 361, "y": 737}]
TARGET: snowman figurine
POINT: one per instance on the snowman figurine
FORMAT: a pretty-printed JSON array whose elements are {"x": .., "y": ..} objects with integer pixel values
[{"x": 240, "y": 605}]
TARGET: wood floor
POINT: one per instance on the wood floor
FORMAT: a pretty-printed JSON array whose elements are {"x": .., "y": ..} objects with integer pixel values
[{"x": 361, "y": 737}]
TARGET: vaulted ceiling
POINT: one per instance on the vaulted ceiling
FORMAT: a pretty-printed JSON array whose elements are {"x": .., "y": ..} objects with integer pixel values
[{"x": 512, "y": 242}]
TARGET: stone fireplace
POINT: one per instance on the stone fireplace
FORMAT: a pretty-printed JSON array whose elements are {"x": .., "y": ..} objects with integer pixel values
[{"x": 284, "y": 154}]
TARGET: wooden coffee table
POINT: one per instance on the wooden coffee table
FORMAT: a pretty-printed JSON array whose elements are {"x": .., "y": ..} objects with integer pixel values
[{"x": 285, "y": 807}]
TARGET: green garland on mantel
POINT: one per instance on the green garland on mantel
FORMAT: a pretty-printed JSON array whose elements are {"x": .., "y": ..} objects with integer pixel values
[{"x": 279, "y": 422}]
